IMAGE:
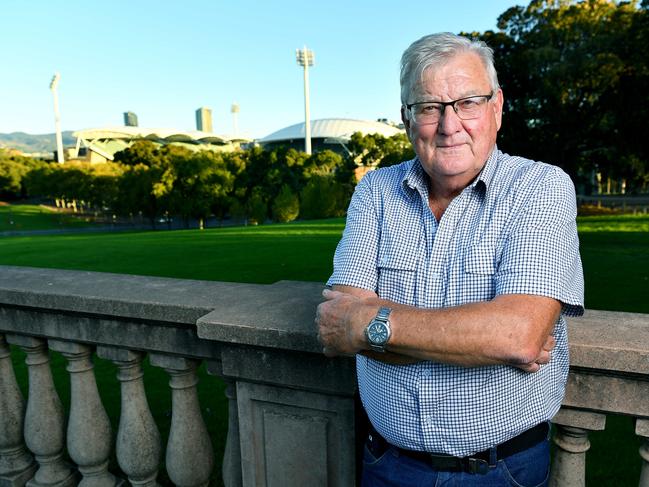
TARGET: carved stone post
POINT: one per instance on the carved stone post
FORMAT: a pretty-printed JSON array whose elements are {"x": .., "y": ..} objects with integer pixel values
[
  {"x": 642, "y": 430},
  {"x": 189, "y": 457},
  {"x": 232, "y": 454},
  {"x": 44, "y": 422},
  {"x": 138, "y": 440},
  {"x": 17, "y": 466},
  {"x": 571, "y": 438},
  {"x": 89, "y": 435}
]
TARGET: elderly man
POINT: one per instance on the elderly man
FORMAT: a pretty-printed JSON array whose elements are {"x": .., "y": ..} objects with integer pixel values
[{"x": 451, "y": 284}]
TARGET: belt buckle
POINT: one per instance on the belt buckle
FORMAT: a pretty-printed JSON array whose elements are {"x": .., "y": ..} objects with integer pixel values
[{"x": 477, "y": 466}]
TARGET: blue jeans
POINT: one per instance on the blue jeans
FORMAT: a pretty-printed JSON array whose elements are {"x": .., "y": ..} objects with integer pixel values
[{"x": 529, "y": 468}]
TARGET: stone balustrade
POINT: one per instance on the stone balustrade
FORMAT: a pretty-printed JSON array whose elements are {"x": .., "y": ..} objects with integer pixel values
[{"x": 291, "y": 418}]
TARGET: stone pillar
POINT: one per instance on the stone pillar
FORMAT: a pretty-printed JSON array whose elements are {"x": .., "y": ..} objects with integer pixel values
[
  {"x": 296, "y": 417},
  {"x": 17, "y": 466},
  {"x": 232, "y": 454},
  {"x": 642, "y": 430},
  {"x": 571, "y": 437},
  {"x": 138, "y": 440},
  {"x": 189, "y": 457},
  {"x": 44, "y": 421},
  {"x": 89, "y": 434}
]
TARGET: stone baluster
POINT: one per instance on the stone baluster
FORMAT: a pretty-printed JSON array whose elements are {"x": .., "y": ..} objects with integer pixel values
[
  {"x": 571, "y": 437},
  {"x": 138, "y": 439},
  {"x": 89, "y": 434},
  {"x": 17, "y": 466},
  {"x": 189, "y": 457},
  {"x": 44, "y": 421},
  {"x": 642, "y": 430},
  {"x": 232, "y": 454}
]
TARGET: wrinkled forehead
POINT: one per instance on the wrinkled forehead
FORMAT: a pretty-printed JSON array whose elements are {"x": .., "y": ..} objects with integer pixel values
[{"x": 463, "y": 72}]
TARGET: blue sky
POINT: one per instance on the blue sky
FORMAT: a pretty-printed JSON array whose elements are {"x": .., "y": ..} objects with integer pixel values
[{"x": 163, "y": 60}]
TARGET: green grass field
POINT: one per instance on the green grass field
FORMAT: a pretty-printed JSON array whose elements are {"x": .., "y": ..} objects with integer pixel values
[
  {"x": 614, "y": 249},
  {"x": 36, "y": 217}
]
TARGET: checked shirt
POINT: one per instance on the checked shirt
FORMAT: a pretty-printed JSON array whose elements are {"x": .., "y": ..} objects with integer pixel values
[{"x": 512, "y": 231}]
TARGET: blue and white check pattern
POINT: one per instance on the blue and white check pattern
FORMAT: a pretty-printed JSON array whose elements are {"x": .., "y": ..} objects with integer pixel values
[{"x": 512, "y": 231}]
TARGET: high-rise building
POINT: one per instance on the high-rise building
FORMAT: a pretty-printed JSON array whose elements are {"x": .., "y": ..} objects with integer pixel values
[
  {"x": 130, "y": 119},
  {"x": 204, "y": 119}
]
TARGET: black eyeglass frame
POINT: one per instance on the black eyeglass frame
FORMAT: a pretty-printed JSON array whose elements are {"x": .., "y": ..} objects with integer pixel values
[{"x": 451, "y": 103}]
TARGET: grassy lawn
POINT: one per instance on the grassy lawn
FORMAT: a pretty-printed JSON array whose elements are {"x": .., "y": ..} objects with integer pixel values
[
  {"x": 36, "y": 217},
  {"x": 615, "y": 252}
]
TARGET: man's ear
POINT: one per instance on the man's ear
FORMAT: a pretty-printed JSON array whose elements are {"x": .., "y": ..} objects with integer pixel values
[{"x": 498, "y": 108}]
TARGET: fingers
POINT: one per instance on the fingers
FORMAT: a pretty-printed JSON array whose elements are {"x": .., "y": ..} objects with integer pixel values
[
  {"x": 549, "y": 344},
  {"x": 330, "y": 293}
]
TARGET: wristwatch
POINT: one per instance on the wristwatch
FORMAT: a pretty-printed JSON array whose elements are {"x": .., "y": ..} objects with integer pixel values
[{"x": 378, "y": 330}]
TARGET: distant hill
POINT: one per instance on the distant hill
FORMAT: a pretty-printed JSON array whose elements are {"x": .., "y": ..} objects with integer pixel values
[{"x": 30, "y": 143}]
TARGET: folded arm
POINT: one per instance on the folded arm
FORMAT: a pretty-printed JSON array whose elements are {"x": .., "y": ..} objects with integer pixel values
[{"x": 511, "y": 329}]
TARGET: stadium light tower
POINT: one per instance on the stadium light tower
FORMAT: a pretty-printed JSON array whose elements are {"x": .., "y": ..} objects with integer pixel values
[
  {"x": 306, "y": 58},
  {"x": 59, "y": 139}
]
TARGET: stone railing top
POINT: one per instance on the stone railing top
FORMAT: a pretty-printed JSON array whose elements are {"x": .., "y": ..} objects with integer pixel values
[
  {"x": 278, "y": 315},
  {"x": 610, "y": 341}
]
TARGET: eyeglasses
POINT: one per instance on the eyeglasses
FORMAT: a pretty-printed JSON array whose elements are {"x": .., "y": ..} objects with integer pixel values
[{"x": 467, "y": 108}]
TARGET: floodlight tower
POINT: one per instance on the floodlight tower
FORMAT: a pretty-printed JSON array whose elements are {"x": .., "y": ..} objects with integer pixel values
[
  {"x": 235, "y": 118},
  {"x": 57, "y": 117},
  {"x": 306, "y": 58}
]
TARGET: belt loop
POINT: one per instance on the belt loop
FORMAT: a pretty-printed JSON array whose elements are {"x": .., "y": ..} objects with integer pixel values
[{"x": 493, "y": 456}]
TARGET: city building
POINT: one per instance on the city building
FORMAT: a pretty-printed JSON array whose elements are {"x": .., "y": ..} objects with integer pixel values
[
  {"x": 130, "y": 119},
  {"x": 204, "y": 119}
]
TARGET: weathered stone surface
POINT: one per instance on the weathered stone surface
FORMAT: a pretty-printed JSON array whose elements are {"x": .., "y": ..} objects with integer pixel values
[
  {"x": 306, "y": 371},
  {"x": 17, "y": 466},
  {"x": 607, "y": 393},
  {"x": 293, "y": 405},
  {"x": 280, "y": 315},
  {"x": 138, "y": 441},
  {"x": 580, "y": 419},
  {"x": 291, "y": 437},
  {"x": 607, "y": 340},
  {"x": 153, "y": 336},
  {"x": 569, "y": 466}
]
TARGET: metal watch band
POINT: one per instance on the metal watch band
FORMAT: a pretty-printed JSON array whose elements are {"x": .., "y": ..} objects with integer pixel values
[{"x": 382, "y": 316}]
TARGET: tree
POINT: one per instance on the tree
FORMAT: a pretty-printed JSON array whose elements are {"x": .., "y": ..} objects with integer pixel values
[
  {"x": 197, "y": 181},
  {"x": 323, "y": 197},
  {"x": 286, "y": 205},
  {"x": 376, "y": 150},
  {"x": 575, "y": 82}
]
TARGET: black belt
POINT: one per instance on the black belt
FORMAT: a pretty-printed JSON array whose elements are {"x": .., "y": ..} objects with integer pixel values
[{"x": 476, "y": 463}]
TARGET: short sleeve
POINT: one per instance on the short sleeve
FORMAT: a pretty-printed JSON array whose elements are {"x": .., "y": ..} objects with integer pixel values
[
  {"x": 541, "y": 253},
  {"x": 356, "y": 255}
]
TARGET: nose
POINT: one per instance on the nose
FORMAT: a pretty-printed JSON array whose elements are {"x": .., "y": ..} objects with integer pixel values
[{"x": 449, "y": 122}]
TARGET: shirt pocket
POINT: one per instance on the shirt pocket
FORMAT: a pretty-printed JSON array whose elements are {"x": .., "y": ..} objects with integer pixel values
[
  {"x": 478, "y": 276},
  {"x": 397, "y": 266}
]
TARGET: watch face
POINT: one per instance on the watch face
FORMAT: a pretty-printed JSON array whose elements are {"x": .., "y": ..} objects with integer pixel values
[{"x": 377, "y": 333}]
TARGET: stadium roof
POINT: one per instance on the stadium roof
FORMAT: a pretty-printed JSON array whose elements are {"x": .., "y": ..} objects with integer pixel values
[
  {"x": 332, "y": 128},
  {"x": 169, "y": 135},
  {"x": 106, "y": 141}
]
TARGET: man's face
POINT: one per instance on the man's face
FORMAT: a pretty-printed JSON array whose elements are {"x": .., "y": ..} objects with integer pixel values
[{"x": 452, "y": 150}]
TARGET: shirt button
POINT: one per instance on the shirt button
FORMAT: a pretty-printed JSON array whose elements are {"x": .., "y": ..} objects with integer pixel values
[
  {"x": 429, "y": 420},
  {"x": 435, "y": 275}
]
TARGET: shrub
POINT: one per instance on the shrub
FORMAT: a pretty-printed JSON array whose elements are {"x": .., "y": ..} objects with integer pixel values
[{"x": 286, "y": 206}]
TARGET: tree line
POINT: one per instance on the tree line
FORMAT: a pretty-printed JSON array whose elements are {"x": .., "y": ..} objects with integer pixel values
[
  {"x": 172, "y": 181},
  {"x": 576, "y": 80},
  {"x": 575, "y": 76}
]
